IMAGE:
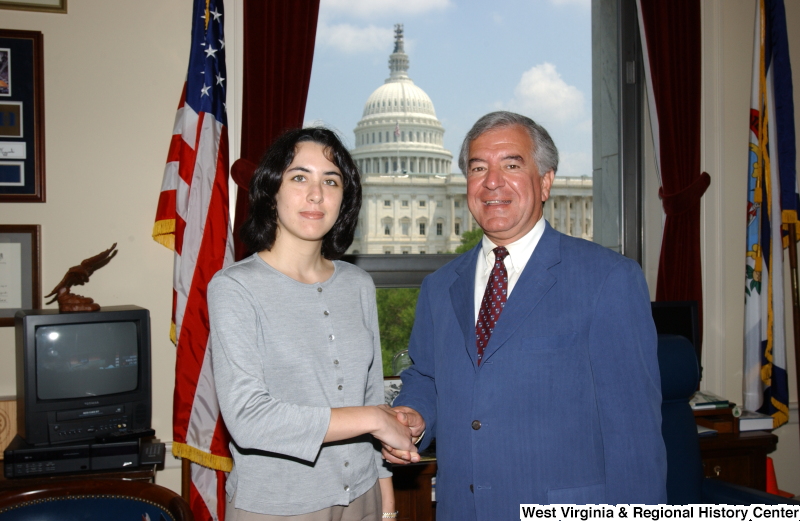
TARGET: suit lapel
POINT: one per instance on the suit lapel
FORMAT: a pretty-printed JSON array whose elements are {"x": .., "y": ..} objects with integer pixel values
[
  {"x": 462, "y": 297},
  {"x": 534, "y": 282}
]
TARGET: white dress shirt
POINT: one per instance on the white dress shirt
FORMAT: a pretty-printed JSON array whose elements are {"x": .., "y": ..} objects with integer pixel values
[{"x": 519, "y": 253}]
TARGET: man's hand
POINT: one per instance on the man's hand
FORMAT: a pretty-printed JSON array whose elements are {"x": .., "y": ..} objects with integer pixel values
[
  {"x": 413, "y": 420},
  {"x": 392, "y": 432}
]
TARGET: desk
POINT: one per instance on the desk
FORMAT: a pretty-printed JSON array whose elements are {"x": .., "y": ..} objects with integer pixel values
[{"x": 738, "y": 458}]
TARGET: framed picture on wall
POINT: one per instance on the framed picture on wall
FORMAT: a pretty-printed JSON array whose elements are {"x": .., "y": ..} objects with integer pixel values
[
  {"x": 50, "y": 6},
  {"x": 20, "y": 270},
  {"x": 22, "y": 176}
]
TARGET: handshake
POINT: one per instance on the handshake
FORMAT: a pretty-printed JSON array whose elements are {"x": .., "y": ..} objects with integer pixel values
[{"x": 398, "y": 429}]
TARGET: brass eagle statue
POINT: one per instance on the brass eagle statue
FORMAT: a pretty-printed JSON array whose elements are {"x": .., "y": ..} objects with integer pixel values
[{"x": 79, "y": 275}]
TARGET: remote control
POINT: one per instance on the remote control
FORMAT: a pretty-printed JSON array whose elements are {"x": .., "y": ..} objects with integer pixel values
[
  {"x": 151, "y": 454},
  {"x": 133, "y": 434}
]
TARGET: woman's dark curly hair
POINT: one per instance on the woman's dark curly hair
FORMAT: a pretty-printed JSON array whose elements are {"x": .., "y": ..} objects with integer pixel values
[{"x": 259, "y": 230}]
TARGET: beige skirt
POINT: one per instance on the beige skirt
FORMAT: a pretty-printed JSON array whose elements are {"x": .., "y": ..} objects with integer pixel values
[{"x": 367, "y": 507}]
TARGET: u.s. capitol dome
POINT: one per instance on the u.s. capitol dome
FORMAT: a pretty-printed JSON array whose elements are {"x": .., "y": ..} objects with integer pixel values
[{"x": 412, "y": 203}]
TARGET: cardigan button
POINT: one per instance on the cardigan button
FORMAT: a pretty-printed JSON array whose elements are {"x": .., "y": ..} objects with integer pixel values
[{"x": 476, "y": 425}]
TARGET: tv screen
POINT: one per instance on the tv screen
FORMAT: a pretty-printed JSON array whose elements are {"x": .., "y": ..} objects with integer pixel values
[{"x": 80, "y": 360}]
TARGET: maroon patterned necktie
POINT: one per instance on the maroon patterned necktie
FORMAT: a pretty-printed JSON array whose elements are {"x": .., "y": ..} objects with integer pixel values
[{"x": 494, "y": 299}]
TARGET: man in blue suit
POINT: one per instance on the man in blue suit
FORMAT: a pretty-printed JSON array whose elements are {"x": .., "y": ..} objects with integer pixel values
[{"x": 534, "y": 353}]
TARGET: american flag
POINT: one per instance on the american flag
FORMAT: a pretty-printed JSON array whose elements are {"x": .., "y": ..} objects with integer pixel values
[
  {"x": 397, "y": 130},
  {"x": 193, "y": 220}
]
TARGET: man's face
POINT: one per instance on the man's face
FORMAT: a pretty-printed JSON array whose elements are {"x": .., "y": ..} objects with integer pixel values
[{"x": 505, "y": 192}]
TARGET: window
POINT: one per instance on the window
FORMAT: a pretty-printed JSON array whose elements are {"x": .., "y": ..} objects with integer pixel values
[
  {"x": 404, "y": 203},
  {"x": 387, "y": 230},
  {"x": 606, "y": 19},
  {"x": 405, "y": 252},
  {"x": 422, "y": 228},
  {"x": 387, "y": 203}
]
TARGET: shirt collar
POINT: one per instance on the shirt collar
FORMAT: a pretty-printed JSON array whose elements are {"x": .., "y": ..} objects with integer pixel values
[{"x": 519, "y": 252}]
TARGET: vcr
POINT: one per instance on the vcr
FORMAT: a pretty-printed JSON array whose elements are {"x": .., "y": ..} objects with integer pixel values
[
  {"x": 21, "y": 459},
  {"x": 87, "y": 424}
]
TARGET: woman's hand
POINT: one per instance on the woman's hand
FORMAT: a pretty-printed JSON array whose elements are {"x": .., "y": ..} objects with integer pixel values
[
  {"x": 379, "y": 420},
  {"x": 391, "y": 432}
]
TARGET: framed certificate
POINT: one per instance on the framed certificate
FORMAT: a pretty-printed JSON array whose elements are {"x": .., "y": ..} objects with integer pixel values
[{"x": 20, "y": 270}]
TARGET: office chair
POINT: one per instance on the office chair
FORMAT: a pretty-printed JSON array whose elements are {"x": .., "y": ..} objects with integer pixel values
[
  {"x": 680, "y": 375},
  {"x": 96, "y": 499}
]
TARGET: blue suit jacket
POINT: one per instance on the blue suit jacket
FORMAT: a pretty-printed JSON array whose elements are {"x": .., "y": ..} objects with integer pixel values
[{"x": 568, "y": 394}]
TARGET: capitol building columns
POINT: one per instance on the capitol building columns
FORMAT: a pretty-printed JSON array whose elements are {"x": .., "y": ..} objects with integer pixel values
[{"x": 569, "y": 208}]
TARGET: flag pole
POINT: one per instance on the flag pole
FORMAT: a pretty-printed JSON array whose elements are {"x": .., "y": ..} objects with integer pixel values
[
  {"x": 186, "y": 479},
  {"x": 795, "y": 300}
]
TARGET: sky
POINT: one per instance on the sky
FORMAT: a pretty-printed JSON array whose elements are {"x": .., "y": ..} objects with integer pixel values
[{"x": 471, "y": 57}]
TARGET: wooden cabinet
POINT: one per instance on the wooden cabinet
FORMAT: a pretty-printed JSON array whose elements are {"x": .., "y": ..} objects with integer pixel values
[
  {"x": 738, "y": 458},
  {"x": 413, "y": 491},
  {"x": 146, "y": 473}
]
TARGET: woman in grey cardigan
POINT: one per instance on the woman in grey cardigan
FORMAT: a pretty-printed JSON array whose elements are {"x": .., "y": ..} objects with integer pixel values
[{"x": 296, "y": 350}]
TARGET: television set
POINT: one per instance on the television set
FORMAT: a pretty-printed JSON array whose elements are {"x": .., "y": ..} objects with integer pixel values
[{"x": 82, "y": 375}]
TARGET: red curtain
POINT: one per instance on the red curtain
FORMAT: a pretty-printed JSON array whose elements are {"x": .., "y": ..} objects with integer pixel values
[
  {"x": 673, "y": 36},
  {"x": 278, "y": 51}
]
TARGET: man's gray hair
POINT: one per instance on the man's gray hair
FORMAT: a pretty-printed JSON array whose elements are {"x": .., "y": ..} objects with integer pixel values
[{"x": 545, "y": 152}]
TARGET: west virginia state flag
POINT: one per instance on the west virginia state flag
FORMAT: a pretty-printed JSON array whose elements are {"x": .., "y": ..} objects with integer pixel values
[{"x": 772, "y": 203}]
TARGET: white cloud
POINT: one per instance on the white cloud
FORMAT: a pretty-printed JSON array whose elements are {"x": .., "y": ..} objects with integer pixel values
[
  {"x": 372, "y": 8},
  {"x": 350, "y": 39},
  {"x": 544, "y": 96},
  {"x": 574, "y": 164}
]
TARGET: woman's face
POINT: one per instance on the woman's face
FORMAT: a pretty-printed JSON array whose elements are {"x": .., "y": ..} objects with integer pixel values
[{"x": 310, "y": 196}]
